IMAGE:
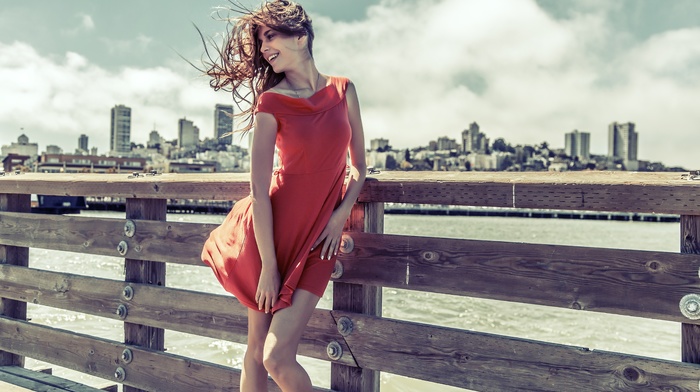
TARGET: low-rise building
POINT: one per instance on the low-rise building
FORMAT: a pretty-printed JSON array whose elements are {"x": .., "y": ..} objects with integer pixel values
[
  {"x": 191, "y": 166},
  {"x": 63, "y": 163}
]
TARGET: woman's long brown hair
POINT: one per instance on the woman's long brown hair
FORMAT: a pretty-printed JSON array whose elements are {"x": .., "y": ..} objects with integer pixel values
[{"x": 237, "y": 65}]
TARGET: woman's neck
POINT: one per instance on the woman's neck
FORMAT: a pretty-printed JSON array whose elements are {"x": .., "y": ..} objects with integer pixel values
[{"x": 306, "y": 77}]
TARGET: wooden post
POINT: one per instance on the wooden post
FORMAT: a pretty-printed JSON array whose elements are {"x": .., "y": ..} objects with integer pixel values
[
  {"x": 367, "y": 217},
  {"x": 148, "y": 272},
  {"x": 690, "y": 333},
  {"x": 15, "y": 255}
]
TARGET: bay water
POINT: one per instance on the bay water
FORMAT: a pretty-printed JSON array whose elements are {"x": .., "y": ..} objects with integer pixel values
[{"x": 652, "y": 338}]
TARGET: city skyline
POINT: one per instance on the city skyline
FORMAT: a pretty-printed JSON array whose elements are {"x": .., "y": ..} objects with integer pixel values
[
  {"x": 622, "y": 139},
  {"x": 528, "y": 70}
]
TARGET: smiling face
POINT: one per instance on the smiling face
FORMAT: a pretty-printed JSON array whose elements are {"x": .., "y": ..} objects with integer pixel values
[{"x": 280, "y": 50}]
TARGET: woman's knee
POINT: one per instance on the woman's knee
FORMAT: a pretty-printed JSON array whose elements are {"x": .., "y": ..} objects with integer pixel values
[
  {"x": 255, "y": 352},
  {"x": 275, "y": 358}
]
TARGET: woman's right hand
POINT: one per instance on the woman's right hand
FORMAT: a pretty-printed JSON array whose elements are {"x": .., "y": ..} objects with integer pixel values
[{"x": 268, "y": 289}]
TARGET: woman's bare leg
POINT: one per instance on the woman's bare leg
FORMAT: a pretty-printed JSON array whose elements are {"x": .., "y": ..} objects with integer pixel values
[
  {"x": 253, "y": 374},
  {"x": 283, "y": 340}
]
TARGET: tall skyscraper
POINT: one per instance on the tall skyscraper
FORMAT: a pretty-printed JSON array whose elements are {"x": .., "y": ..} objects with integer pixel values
[
  {"x": 378, "y": 144},
  {"x": 120, "y": 131},
  {"x": 473, "y": 140},
  {"x": 223, "y": 123},
  {"x": 622, "y": 143},
  {"x": 187, "y": 133},
  {"x": 83, "y": 142},
  {"x": 154, "y": 139},
  {"x": 578, "y": 144}
]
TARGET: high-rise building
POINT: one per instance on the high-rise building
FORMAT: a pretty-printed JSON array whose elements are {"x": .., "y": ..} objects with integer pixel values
[
  {"x": 154, "y": 139},
  {"x": 120, "y": 131},
  {"x": 446, "y": 144},
  {"x": 223, "y": 123},
  {"x": 578, "y": 144},
  {"x": 473, "y": 140},
  {"x": 83, "y": 142},
  {"x": 187, "y": 133},
  {"x": 379, "y": 144},
  {"x": 622, "y": 144}
]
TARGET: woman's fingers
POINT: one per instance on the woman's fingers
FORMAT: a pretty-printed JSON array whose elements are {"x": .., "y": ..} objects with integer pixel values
[{"x": 331, "y": 248}]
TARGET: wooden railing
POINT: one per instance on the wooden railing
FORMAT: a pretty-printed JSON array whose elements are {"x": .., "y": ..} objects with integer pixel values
[{"x": 353, "y": 335}]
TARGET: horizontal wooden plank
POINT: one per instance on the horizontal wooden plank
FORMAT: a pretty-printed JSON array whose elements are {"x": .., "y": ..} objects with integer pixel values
[
  {"x": 636, "y": 283},
  {"x": 666, "y": 193},
  {"x": 212, "y": 186},
  {"x": 486, "y": 362},
  {"x": 13, "y": 383},
  {"x": 43, "y": 380},
  {"x": 149, "y": 370},
  {"x": 175, "y": 242},
  {"x": 210, "y": 315},
  {"x": 594, "y": 191}
]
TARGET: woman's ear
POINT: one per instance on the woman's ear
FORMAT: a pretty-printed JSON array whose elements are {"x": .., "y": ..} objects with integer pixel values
[{"x": 303, "y": 41}]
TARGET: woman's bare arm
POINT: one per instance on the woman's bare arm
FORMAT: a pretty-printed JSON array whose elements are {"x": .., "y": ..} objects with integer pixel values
[{"x": 262, "y": 157}]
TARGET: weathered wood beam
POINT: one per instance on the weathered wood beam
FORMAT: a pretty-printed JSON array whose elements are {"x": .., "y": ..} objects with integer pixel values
[
  {"x": 13, "y": 255},
  {"x": 175, "y": 242},
  {"x": 215, "y": 186},
  {"x": 40, "y": 381},
  {"x": 690, "y": 332},
  {"x": 486, "y": 362},
  {"x": 359, "y": 298},
  {"x": 148, "y": 370},
  {"x": 173, "y": 309},
  {"x": 146, "y": 272},
  {"x": 618, "y": 281},
  {"x": 664, "y": 193}
]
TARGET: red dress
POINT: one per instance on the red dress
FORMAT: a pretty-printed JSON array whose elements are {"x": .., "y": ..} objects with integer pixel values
[{"x": 313, "y": 135}]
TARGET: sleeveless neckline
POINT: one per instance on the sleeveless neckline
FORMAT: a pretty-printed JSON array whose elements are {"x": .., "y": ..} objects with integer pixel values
[
  {"x": 328, "y": 84},
  {"x": 324, "y": 99}
]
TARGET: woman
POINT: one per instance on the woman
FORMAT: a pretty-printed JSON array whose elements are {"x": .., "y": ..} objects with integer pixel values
[{"x": 276, "y": 249}]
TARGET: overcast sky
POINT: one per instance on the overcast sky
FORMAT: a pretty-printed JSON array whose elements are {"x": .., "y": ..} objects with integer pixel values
[{"x": 524, "y": 70}]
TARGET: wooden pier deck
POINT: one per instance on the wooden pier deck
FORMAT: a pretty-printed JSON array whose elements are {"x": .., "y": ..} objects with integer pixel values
[
  {"x": 19, "y": 379},
  {"x": 353, "y": 336}
]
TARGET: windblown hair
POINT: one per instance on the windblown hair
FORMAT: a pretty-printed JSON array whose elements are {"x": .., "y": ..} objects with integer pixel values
[{"x": 238, "y": 66}]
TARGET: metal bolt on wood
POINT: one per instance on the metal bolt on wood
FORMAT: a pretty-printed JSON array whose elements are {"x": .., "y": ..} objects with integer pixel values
[
  {"x": 129, "y": 228},
  {"x": 347, "y": 244},
  {"x": 128, "y": 293},
  {"x": 127, "y": 356},
  {"x": 120, "y": 374},
  {"x": 690, "y": 306},
  {"x": 345, "y": 326},
  {"x": 337, "y": 270},
  {"x": 122, "y": 248},
  {"x": 334, "y": 350},
  {"x": 121, "y": 311}
]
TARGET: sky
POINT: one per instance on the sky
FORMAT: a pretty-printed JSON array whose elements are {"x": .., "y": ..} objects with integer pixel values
[{"x": 528, "y": 71}]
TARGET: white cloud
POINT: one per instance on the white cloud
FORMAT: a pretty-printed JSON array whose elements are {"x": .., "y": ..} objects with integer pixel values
[
  {"x": 86, "y": 21},
  {"x": 56, "y": 101},
  {"x": 85, "y": 24},
  {"x": 126, "y": 46},
  {"x": 425, "y": 69}
]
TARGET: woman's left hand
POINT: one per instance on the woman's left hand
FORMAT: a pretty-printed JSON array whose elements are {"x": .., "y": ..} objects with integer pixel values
[{"x": 331, "y": 235}]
